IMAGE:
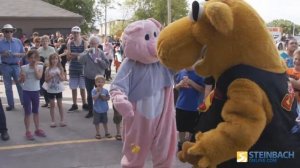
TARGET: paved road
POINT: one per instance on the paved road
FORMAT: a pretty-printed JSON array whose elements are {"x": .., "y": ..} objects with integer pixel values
[{"x": 73, "y": 146}]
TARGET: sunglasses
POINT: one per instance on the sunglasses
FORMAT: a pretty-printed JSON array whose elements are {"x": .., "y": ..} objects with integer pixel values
[{"x": 8, "y": 31}]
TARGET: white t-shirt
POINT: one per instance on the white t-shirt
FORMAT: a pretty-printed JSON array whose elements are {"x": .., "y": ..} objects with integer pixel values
[
  {"x": 45, "y": 53},
  {"x": 31, "y": 82},
  {"x": 55, "y": 85}
]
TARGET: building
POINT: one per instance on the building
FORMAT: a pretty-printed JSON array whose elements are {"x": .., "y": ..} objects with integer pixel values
[
  {"x": 112, "y": 26},
  {"x": 29, "y": 16}
]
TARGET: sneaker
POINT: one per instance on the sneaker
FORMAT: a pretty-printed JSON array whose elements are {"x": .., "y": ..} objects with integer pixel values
[
  {"x": 40, "y": 133},
  {"x": 85, "y": 107},
  {"x": 9, "y": 108},
  {"x": 4, "y": 136},
  {"x": 89, "y": 115},
  {"x": 73, "y": 107},
  {"x": 45, "y": 105},
  {"x": 29, "y": 136},
  {"x": 108, "y": 135}
]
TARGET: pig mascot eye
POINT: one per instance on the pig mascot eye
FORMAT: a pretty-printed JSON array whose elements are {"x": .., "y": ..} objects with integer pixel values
[
  {"x": 147, "y": 37},
  {"x": 154, "y": 34}
]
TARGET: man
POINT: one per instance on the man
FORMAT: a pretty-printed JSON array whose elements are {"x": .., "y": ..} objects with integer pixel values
[
  {"x": 3, "y": 129},
  {"x": 11, "y": 50},
  {"x": 76, "y": 46}
]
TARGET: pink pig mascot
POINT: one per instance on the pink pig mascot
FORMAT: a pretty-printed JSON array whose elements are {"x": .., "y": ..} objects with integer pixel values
[{"x": 142, "y": 93}]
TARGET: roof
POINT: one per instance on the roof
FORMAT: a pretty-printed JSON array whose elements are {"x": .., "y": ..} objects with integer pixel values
[{"x": 33, "y": 9}]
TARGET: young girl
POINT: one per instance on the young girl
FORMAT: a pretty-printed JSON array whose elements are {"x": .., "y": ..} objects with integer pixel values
[
  {"x": 294, "y": 74},
  {"x": 100, "y": 96},
  {"x": 54, "y": 77},
  {"x": 30, "y": 77}
]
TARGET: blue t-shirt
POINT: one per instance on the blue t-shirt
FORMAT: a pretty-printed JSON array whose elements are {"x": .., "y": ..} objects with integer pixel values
[
  {"x": 100, "y": 106},
  {"x": 288, "y": 60},
  {"x": 189, "y": 98}
]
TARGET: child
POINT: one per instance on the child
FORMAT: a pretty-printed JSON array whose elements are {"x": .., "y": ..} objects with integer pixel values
[
  {"x": 294, "y": 74},
  {"x": 190, "y": 94},
  {"x": 100, "y": 96},
  {"x": 30, "y": 76},
  {"x": 54, "y": 77}
]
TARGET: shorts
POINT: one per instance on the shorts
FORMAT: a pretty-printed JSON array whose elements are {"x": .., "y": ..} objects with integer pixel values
[
  {"x": 31, "y": 102},
  {"x": 51, "y": 96},
  {"x": 77, "y": 82},
  {"x": 100, "y": 118},
  {"x": 186, "y": 120},
  {"x": 117, "y": 116}
]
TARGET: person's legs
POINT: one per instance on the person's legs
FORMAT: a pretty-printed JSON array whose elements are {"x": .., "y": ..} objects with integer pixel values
[
  {"x": 52, "y": 110},
  {"x": 117, "y": 118},
  {"x": 15, "y": 75},
  {"x": 73, "y": 83},
  {"x": 60, "y": 109},
  {"x": 35, "y": 109},
  {"x": 82, "y": 88},
  {"x": 3, "y": 128},
  {"x": 89, "y": 84},
  {"x": 7, "y": 74},
  {"x": 28, "y": 102}
]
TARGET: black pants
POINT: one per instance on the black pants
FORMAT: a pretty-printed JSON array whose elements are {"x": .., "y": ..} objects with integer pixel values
[
  {"x": 2, "y": 119},
  {"x": 89, "y": 85},
  {"x": 43, "y": 91},
  {"x": 108, "y": 71}
]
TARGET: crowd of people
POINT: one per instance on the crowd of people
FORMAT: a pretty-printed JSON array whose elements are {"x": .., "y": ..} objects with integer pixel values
[{"x": 38, "y": 68}]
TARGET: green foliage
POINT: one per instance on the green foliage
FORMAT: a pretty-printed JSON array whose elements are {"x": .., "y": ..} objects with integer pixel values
[
  {"x": 84, "y": 8},
  {"x": 118, "y": 28},
  {"x": 157, "y": 9},
  {"x": 286, "y": 25}
]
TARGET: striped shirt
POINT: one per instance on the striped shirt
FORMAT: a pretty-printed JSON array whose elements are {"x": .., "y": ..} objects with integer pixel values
[{"x": 76, "y": 68}]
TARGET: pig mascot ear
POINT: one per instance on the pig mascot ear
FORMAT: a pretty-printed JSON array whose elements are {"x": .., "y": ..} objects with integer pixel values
[
  {"x": 131, "y": 28},
  {"x": 156, "y": 23}
]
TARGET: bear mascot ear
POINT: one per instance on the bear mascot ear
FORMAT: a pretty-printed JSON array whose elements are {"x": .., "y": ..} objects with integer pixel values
[{"x": 220, "y": 16}]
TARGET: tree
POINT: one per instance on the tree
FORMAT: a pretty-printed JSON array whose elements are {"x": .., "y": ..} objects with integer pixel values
[
  {"x": 157, "y": 9},
  {"x": 84, "y": 8},
  {"x": 286, "y": 25}
]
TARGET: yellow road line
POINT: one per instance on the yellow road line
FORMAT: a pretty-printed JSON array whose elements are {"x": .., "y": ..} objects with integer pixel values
[{"x": 49, "y": 144}]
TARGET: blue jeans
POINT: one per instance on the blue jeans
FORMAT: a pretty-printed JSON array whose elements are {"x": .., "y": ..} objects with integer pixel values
[
  {"x": 89, "y": 85},
  {"x": 8, "y": 72}
]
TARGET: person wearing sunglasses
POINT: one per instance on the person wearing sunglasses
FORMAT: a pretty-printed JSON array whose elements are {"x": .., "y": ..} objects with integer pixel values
[
  {"x": 12, "y": 51},
  {"x": 287, "y": 56}
]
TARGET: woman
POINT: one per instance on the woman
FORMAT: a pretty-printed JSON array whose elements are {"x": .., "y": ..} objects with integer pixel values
[{"x": 94, "y": 63}]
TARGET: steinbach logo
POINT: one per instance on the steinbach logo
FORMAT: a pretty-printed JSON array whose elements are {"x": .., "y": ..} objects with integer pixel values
[
  {"x": 263, "y": 156},
  {"x": 242, "y": 156}
]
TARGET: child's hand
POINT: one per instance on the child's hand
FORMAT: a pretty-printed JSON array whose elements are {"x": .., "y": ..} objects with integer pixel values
[{"x": 22, "y": 78}]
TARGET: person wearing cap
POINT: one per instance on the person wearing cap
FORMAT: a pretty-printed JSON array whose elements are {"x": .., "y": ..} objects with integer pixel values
[
  {"x": 11, "y": 50},
  {"x": 75, "y": 47}
]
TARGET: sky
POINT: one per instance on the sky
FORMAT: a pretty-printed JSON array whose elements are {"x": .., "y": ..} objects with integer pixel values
[{"x": 268, "y": 9}]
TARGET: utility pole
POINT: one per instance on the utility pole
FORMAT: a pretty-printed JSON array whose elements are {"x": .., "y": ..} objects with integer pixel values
[
  {"x": 169, "y": 11},
  {"x": 105, "y": 18}
]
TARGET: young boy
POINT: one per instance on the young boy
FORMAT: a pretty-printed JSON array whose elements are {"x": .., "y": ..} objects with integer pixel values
[
  {"x": 190, "y": 89},
  {"x": 100, "y": 96}
]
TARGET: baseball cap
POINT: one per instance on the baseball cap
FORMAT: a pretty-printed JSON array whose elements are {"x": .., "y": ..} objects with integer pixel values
[{"x": 76, "y": 29}]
